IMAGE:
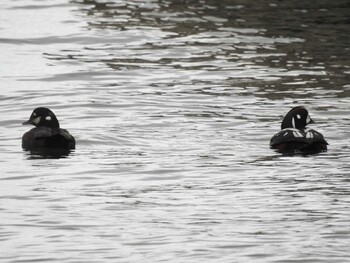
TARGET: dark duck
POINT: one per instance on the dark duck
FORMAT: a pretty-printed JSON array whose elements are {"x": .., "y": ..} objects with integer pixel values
[
  {"x": 47, "y": 133},
  {"x": 294, "y": 137}
]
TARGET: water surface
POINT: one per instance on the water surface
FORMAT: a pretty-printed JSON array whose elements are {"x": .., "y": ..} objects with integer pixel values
[{"x": 173, "y": 104}]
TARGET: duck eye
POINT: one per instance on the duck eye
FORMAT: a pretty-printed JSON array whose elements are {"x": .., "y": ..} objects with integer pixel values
[
  {"x": 298, "y": 116},
  {"x": 34, "y": 114},
  {"x": 48, "y": 118}
]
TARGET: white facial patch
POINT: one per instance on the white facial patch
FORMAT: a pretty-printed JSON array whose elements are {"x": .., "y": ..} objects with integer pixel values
[
  {"x": 37, "y": 120},
  {"x": 48, "y": 118},
  {"x": 34, "y": 114},
  {"x": 308, "y": 119},
  {"x": 298, "y": 116}
]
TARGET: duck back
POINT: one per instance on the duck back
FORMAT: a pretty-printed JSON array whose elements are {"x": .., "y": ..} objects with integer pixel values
[
  {"x": 290, "y": 139},
  {"x": 45, "y": 137}
]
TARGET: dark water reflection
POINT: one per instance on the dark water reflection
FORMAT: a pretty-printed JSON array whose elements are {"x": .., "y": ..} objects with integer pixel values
[
  {"x": 172, "y": 104},
  {"x": 281, "y": 50},
  {"x": 48, "y": 153}
]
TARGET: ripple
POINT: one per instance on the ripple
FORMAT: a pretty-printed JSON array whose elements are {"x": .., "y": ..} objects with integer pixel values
[{"x": 172, "y": 105}]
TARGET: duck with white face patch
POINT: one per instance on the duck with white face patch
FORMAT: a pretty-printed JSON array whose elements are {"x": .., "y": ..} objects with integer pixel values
[
  {"x": 294, "y": 137},
  {"x": 47, "y": 133}
]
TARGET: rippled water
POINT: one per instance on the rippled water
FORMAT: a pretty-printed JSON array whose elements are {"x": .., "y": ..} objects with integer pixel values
[{"x": 172, "y": 104}]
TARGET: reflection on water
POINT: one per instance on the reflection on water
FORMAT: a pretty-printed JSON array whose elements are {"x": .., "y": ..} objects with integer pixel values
[
  {"x": 173, "y": 104},
  {"x": 48, "y": 153}
]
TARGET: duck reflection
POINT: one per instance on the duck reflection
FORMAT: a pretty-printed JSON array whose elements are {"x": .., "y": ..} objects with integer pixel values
[{"x": 48, "y": 153}]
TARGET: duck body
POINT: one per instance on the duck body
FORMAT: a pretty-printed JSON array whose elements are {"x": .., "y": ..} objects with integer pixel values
[
  {"x": 45, "y": 137},
  {"x": 47, "y": 134},
  {"x": 295, "y": 137},
  {"x": 291, "y": 139}
]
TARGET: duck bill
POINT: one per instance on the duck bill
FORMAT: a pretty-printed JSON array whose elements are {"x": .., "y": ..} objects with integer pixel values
[
  {"x": 28, "y": 122},
  {"x": 311, "y": 121}
]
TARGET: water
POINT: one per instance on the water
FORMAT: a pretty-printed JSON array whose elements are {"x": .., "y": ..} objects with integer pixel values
[{"x": 172, "y": 104}]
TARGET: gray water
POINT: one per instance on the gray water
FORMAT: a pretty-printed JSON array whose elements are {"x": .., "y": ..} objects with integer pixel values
[{"x": 173, "y": 104}]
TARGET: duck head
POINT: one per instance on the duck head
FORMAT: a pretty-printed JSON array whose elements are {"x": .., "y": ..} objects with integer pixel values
[
  {"x": 43, "y": 117},
  {"x": 297, "y": 118}
]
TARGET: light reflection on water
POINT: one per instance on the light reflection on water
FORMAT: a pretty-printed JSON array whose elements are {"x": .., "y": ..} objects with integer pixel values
[{"x": 172, "y": 105}]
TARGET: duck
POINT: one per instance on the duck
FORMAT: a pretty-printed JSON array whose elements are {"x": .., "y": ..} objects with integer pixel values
[
  {"x": 47, "y": 133},
  {"x": 295, "y": 137}
]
